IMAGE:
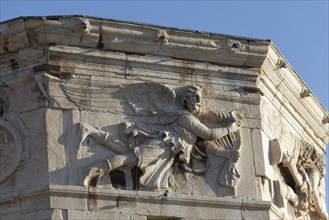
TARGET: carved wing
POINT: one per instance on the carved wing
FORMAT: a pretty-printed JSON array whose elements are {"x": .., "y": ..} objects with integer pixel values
[
  {"x": 152, "y": 104},
  {"x": 138, "y": 99},
  {"x": 147, "y": 99}
]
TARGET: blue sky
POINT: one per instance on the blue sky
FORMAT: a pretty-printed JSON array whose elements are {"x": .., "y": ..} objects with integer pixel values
[{"x": 298, "y": 28}]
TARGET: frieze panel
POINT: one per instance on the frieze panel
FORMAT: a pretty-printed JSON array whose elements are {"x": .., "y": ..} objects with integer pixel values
[
  {"x": 301, "y": 175},
  {"x": 168, "y": 132}
]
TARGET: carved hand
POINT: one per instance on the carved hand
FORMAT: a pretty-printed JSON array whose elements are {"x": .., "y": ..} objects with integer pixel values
[
  {"x": 233, "y": 127},
  {"x": 237, "y": 118}
]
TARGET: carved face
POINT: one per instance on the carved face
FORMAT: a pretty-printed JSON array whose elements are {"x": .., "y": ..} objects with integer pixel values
[
  {"x": 193, "y": 101},
  {"x": 308, "y": 152},
  {"x": 321, "y": 164}
]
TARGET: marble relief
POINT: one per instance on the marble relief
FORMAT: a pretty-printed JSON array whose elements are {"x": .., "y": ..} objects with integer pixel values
[
  {"x": 302, "y": 179},
  {"x": 168, "y": 133}
]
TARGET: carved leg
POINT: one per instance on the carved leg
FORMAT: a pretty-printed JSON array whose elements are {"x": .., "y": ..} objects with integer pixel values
[
  {"x": 103, "y": 167},
  {"x": 290, "y": 195},
  {"x": 86, "y": 130},
  {"x": 320, "y": 206},
  {"x": 103, "y": 138},
  {"x": 289, "y": 162}
]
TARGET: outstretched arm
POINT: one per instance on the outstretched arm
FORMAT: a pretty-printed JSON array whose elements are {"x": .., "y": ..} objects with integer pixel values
[
  {"x": 216, "y": 116},
  {"x": 220, "y": 117},
  {"x": 192, "y": 124}
]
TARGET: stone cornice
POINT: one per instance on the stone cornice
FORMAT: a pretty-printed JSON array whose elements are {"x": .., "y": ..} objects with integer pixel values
[
  {"x": 281, "y": 80},
  {"x": 132, "y": 38},
  {"x": 142, "y": 39},
  {"x": 160, "y": 196}
]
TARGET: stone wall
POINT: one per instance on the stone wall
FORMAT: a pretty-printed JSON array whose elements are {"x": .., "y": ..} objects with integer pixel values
[{"x": 106, "y": 119}]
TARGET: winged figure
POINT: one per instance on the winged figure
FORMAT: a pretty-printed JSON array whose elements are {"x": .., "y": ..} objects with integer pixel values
[{"x": 165, "y": 126}]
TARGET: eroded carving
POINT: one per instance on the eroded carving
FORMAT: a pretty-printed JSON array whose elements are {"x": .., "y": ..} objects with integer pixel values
[
  {"x": 305, "y": 93},
  {"x": 4, "y": 100},
  {"x": 13, "y": 151},
  {"x": 325, "y": 119},
  {"x": 236, "y": 46},
  {"x": 281, "y": 64},
  {"x": 163, "y": 36},
  {"x": 170, "y": 130},
  {"x": 306, "y": 166}
]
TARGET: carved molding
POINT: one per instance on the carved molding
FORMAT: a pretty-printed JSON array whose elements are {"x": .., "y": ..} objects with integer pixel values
[
  {"x": 133, "y": 38},
  {"x": 285, "y": 86}
]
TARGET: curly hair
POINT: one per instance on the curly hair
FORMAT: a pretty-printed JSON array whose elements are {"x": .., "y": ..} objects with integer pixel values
[{"x": 184, "y": 93}]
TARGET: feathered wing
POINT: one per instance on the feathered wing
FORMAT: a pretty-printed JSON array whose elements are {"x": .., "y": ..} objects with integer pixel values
[
  {"x": 83, "y": 92},
  {"x": 150, "y": 103},
  {"x": 147, "y": 103},
  {"x": 146, "y": 99}
]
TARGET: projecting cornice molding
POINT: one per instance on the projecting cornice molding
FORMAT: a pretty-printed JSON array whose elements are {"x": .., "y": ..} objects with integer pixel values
[
  {"x": 280, "y": 79},
  {"x": 141, "y": 39},
  {"x": 131, "y": 38}
]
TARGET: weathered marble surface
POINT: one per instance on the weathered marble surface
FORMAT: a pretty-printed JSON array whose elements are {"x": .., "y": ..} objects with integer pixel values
[{"x": 106, "y": 119}]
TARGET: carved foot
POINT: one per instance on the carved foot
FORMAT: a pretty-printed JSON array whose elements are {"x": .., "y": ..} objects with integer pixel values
[{"x": 98, "y": 169}]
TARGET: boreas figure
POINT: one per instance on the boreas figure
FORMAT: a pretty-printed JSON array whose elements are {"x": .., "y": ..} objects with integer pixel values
[
  {"x": 164, "y": 134},
  {"x": 312, "y": 167}
]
